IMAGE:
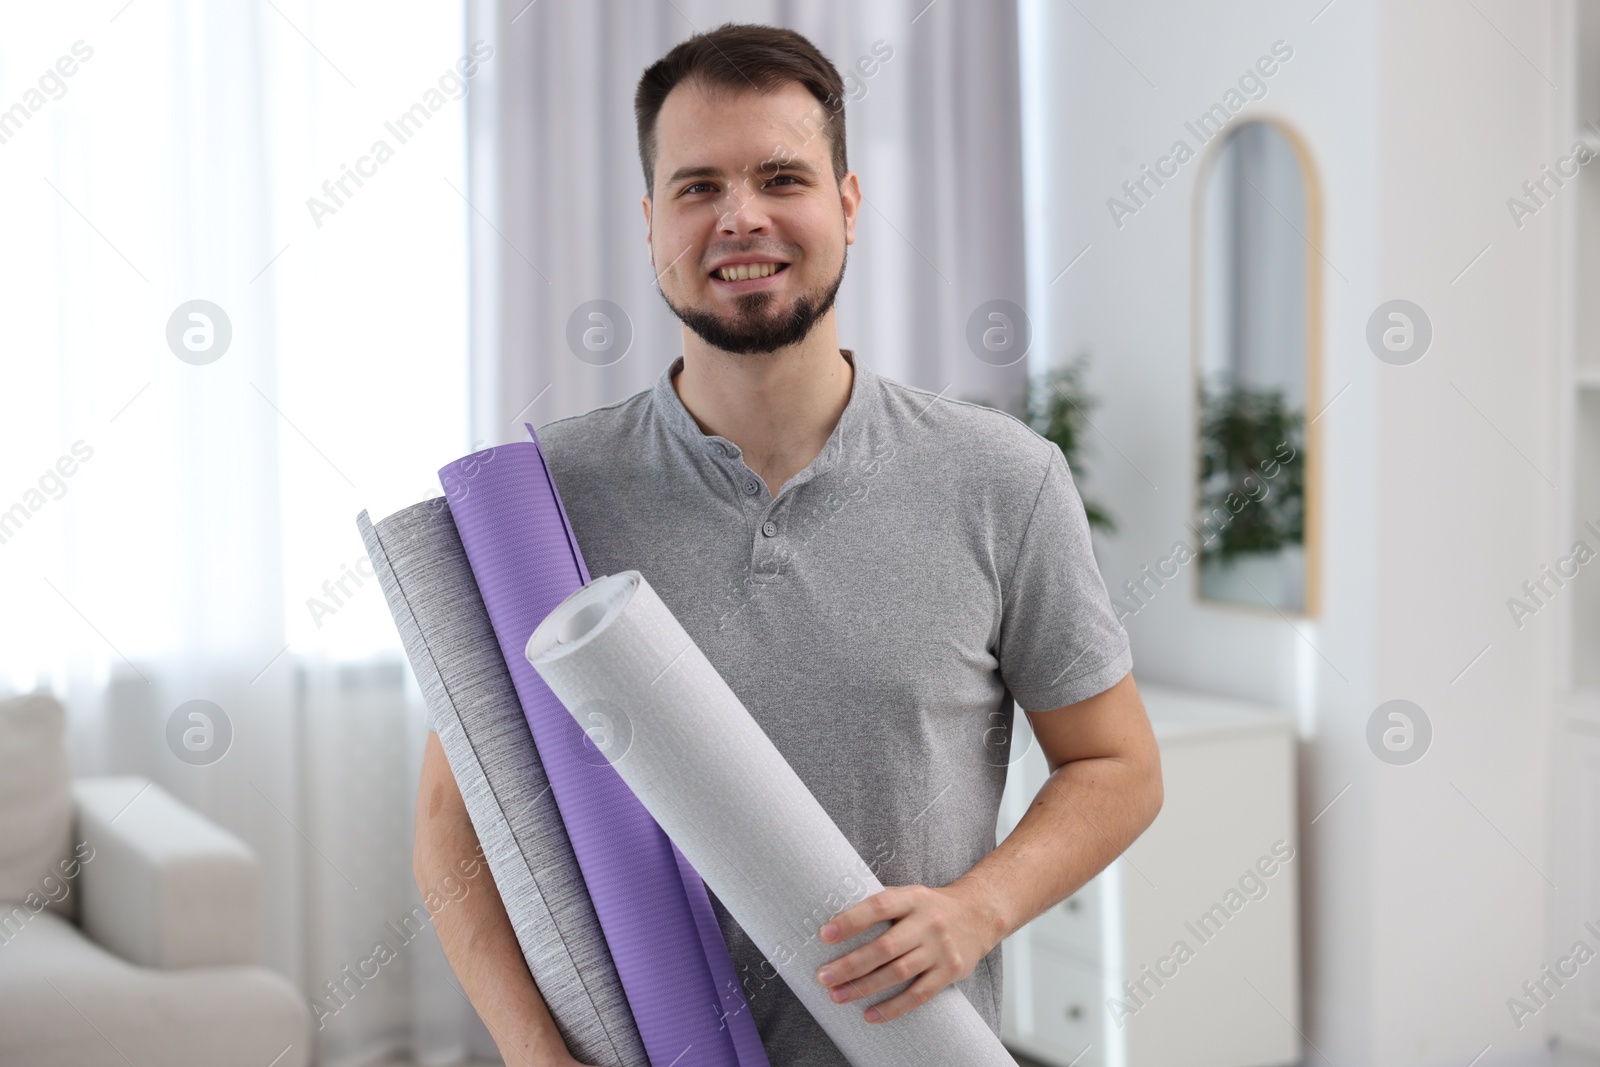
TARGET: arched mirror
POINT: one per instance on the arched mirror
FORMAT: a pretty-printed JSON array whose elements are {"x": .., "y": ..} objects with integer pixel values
[{"x": 1256, "y": 331}]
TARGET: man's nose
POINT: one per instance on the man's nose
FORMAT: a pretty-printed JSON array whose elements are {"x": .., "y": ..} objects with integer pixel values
[{"x": 741, "y": 210}]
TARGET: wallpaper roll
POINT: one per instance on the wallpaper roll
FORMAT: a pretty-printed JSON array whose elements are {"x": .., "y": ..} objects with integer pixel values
[
  {"x": 423, "y": 570},
  {"x": 692, "y": 754},
  {"x": 652, "y": 905}
]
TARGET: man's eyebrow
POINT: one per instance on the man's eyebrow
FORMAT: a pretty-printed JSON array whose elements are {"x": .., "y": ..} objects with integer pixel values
[{"x": 799, "y": 166}]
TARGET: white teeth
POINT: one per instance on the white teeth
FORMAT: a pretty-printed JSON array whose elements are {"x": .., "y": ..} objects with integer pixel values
[{"x": 746, "y": 271}]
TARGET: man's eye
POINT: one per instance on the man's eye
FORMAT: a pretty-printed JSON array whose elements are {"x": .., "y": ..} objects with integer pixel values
[{"x": 688, "y": 190}]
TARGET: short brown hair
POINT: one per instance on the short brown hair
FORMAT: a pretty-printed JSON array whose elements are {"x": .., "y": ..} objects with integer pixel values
[{"x": 740, "y": 56}]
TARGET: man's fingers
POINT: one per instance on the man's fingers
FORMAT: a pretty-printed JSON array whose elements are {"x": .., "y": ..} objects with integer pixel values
[
  {"x": 899, "y": 938},
  {"x": 868, "y": 958},
  {"x": 896, "y": 970},
  {"x": 887, "y": 904},
  {"x": 920, "y": 992},
  {"x": 879, "y": 907}
]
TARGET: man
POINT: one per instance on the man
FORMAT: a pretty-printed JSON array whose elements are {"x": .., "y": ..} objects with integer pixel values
[{"x": 877, "y": 572}]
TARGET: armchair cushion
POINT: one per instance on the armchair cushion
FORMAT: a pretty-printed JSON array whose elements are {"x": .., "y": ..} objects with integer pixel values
[
  {"x": 162, "y": 886},
  {"x": 66, "y": 1002},
  {"x": 35, "y": 806}
]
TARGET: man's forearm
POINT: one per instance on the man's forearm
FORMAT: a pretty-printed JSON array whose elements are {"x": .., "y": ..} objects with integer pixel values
[
  {"x": 1087, "y": 813},
  {"x": 474, "y": 929}
]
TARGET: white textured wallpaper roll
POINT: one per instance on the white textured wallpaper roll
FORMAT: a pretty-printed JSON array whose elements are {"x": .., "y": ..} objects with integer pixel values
[{"x": 658, "y": 710}]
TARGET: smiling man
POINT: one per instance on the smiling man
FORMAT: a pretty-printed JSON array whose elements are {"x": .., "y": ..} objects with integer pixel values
[{"x": 879, "y": 573}]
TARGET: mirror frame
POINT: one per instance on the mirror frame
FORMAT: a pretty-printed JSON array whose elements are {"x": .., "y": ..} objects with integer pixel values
[{"x": 1311, "y": 436}]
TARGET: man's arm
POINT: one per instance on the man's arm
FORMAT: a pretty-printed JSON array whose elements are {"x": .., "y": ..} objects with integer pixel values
[
  {"x": 474, "y": 929},
  {"x": 1104, "y": 789}
]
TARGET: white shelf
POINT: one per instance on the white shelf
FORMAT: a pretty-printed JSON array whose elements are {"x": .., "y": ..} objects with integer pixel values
[{"x": 1178, "y": 715}]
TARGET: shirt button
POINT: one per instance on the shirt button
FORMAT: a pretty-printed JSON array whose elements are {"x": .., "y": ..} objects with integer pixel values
[
  {"x": 769, "y": 528},
  {"x": 727, "y": 450},
  {"x": 751, "y": 486}
]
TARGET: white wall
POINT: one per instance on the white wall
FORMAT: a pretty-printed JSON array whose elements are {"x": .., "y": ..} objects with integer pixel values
[{"x": 1421, "y": 918}]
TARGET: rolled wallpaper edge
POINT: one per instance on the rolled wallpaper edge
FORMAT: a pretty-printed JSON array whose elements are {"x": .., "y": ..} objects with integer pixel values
[{"x": 475, "y": 711}]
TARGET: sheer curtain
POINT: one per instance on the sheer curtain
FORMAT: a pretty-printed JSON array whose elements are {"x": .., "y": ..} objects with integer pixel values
[{"x": 179, "y": 480}]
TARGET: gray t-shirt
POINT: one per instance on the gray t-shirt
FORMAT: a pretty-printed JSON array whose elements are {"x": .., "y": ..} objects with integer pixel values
[{"x": 877, "y": 618}]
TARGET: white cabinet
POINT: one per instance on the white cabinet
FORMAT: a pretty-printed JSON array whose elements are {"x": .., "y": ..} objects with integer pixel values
[
  {"x": 1570, "y": 1001},
  {"x": 1185, "y": 950}
]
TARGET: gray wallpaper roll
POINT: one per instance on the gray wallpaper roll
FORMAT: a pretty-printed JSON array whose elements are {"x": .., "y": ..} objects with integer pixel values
[
  {"x": 676, "y": 733},
  {"x": 423, "y": 570}
]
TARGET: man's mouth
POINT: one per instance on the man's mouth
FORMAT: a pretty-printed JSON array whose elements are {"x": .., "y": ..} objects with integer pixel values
[{"x": 748, "y": 272}]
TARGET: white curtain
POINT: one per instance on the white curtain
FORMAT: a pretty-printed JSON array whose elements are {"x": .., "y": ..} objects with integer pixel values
[
  {"x": 176, "y": 527},
  {"x": 933, "y": 134}
]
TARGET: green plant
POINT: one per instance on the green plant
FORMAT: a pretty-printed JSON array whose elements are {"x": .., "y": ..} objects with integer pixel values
[
  {"x": 1251, "y": 450},
  {"x": 1058, "y": 406}
]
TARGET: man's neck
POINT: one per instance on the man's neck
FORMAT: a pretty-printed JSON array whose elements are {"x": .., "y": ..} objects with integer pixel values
[{"x": 779, "y": 408}]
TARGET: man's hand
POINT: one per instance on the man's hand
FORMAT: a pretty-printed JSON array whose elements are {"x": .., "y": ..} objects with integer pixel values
[
  {"x": 937, "y": 934},
  {"x": 1104, "y": 789}
]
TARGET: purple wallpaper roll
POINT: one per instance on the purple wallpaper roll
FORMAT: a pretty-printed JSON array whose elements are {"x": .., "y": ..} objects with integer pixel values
[{"x": 652, "y": 906}]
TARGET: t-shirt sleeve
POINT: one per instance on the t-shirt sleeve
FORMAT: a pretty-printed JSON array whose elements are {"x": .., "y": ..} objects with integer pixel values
[{"x": 1060, "y": 641}]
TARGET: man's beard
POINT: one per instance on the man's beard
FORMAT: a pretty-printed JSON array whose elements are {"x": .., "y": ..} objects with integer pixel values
[{"x": 751, "y": 329}]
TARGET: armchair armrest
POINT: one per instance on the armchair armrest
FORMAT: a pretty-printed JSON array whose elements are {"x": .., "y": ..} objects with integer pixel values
[{"x": 163, "y": 886}]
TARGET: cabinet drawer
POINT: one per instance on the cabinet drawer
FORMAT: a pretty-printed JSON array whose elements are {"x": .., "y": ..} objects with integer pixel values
[
  {"x": 1073, "y": 926},
  {"x": 1067, "y": 1011}
]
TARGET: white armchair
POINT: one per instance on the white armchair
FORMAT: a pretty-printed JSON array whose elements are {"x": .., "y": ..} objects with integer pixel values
[{"x": 160, "y": 965}]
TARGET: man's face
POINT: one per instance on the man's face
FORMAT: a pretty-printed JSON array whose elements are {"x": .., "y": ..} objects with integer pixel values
[{"x": 746, "y": 179}]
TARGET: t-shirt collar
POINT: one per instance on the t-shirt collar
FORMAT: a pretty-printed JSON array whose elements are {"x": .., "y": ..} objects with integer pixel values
[{"x": 844, "y": 435}]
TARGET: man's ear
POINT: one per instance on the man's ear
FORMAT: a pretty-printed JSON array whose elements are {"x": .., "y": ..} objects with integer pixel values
[
  {"x": 850, "y": 201},
  {"x": 649, "y": 230}
]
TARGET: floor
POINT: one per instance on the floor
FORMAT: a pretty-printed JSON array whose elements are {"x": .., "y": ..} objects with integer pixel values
[
  {"x": 1022, "y": 1061},
  {"x": 1561, "y": 1057}
]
